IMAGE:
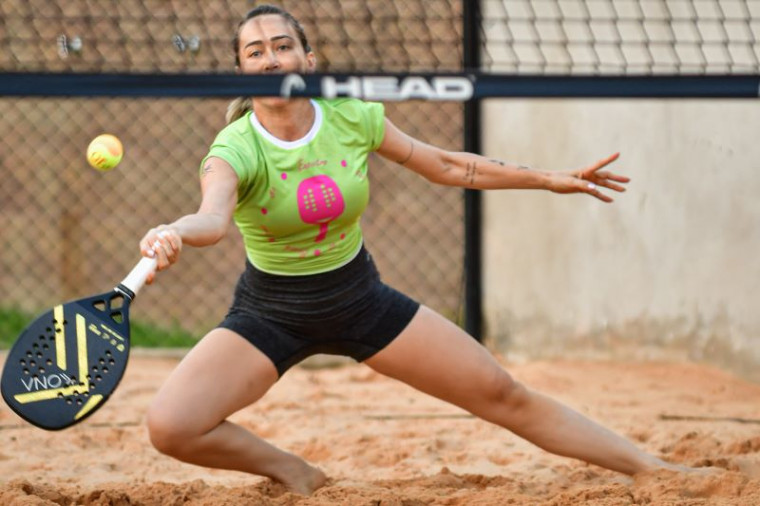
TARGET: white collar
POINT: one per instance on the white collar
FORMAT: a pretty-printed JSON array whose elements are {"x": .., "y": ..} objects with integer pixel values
[{"x": 291, "y": 144}]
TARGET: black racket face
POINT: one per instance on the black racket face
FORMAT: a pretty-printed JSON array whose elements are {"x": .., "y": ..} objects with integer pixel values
[{"x": 66, "y": 363}]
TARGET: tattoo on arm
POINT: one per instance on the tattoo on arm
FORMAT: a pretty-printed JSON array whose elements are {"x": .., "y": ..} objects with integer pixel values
[
  {"x": 206, "y": 169},
  {"x": 411, "y": 152},
  {"x": 472, "y": 169},
  {"x": 519, "y": 167}
]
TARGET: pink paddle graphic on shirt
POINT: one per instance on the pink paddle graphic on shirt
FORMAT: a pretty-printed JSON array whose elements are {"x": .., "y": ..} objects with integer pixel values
[{"x": 320, "y": 202}]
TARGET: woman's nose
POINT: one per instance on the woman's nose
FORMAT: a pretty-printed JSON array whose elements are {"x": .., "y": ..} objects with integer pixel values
[{"x": 271, "y": 62}]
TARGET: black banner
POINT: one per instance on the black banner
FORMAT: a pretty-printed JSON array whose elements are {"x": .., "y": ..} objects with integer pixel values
[{"x": 379, "y": 87}]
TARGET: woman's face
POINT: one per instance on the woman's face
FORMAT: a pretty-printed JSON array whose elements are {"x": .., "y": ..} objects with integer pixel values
[{"x": 270, "y": 44}]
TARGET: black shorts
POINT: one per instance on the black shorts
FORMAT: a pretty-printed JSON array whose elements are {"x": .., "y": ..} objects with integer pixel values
[{"x": 348, "y": 311}]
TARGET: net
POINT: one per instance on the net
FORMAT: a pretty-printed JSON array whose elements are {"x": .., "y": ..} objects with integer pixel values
[{"x": 621, "y": 36}]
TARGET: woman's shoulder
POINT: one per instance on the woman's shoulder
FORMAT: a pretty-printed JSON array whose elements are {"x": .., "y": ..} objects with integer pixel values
[
  {"x": 238, "y": 127},
  {"x": 349, "y": 109},
  {"x": 346, "y": 104},
  {"x": 237, "y": 133}
]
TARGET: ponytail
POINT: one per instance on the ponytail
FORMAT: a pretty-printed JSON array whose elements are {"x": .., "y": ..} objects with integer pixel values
[{"x": 237, "y": 109}]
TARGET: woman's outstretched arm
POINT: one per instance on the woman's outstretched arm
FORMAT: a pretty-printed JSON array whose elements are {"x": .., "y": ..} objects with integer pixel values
[{"x": 473, "y": 171}]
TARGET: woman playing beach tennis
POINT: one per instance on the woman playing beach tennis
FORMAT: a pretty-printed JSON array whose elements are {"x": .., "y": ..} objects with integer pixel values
[{"x": 292, "y": 173}]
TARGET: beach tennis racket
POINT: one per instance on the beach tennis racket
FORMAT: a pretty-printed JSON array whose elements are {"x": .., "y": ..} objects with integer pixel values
[{"x": 66, "y": 363}]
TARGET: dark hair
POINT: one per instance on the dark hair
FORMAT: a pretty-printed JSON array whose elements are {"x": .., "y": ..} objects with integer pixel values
[{"x": 265, "y": 9}]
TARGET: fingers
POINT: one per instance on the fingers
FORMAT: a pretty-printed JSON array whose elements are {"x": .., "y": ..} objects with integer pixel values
[
  {"x": 614, "y": 177},
  {"x": 164, "y": 250},
  {"x": 171, "y": 237},
  {"x": 162, "y": 243},
  {"x": 593, "y": 184},
  {"x": 605, "y": 161},
  {"x": 593, "y": 190},
  {"x": 606, "y": 179},
  {"x": 592, "y": 179},
  {"x": 592, "y": 171},
  {"x": 613, "y": 186}
]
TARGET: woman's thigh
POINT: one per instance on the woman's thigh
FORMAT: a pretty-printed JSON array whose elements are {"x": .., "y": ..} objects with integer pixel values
[
  {"x": 222, "y": 374},
  {"x": 435, "y": 356}
]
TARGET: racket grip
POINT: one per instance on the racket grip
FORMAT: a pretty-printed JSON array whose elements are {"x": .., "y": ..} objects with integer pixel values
[{"x": 136, "y": 278}]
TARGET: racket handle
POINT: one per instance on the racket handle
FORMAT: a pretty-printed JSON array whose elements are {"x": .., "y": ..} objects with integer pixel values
[{"x": 136, "y": 278}]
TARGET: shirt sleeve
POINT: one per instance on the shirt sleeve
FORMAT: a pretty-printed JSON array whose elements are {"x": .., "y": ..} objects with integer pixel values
[
  {"x": 375, "y": 123},
  {"x": 230, "y": 146}
]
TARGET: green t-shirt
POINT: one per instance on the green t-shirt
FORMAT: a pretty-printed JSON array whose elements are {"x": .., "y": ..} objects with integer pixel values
[{"x": 299, "y": 203}]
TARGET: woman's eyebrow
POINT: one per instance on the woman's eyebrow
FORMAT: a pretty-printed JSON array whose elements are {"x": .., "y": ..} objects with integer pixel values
[{"x": 272, "y": 39}]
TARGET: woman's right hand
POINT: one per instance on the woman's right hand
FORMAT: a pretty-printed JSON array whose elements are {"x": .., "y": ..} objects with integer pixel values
[{"x": 162, "y": 243}]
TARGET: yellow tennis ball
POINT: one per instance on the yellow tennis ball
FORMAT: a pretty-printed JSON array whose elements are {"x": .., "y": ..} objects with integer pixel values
[{"x": 105, "y": 152}]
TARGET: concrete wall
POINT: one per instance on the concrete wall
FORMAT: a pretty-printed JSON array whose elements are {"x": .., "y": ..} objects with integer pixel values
[{"x": 672, "y": 268}]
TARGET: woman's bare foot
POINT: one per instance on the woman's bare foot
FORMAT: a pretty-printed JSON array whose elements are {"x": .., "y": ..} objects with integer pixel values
[
  {"x": 680, "y": 468},
  {"x": 305, "y": 480}
]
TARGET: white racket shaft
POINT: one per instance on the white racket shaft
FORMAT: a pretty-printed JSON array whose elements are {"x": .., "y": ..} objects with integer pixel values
[{"x": 136, "y": 278}]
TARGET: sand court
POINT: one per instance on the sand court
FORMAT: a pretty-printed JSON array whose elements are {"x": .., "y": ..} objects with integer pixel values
[{"x": 383, "y": 443}]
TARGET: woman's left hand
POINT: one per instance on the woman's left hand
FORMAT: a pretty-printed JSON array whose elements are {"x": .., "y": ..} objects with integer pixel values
[{"x": 589, "y": 180}]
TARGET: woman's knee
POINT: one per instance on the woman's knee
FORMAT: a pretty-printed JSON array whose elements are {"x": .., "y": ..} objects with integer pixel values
[
  {"x": 502, "y": 393},
  {"x": 168, "y": 431}
]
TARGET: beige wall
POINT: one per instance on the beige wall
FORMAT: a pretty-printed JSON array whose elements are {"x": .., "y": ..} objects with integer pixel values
[{"x": 672, "y": 268}]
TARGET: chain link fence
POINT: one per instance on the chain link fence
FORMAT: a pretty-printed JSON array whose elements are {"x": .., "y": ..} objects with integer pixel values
[{"x": 67, "y": 230}]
